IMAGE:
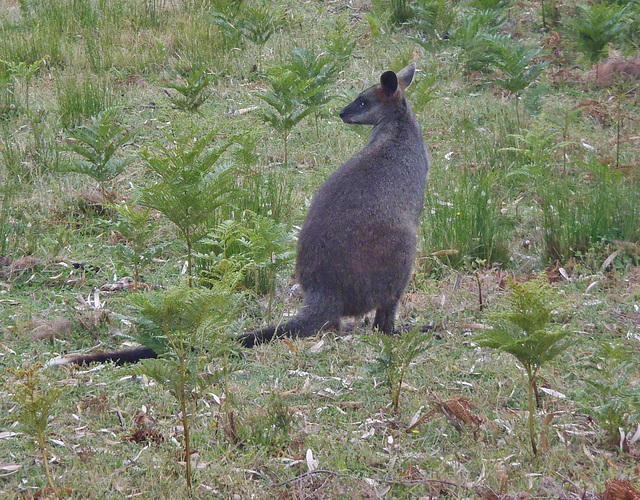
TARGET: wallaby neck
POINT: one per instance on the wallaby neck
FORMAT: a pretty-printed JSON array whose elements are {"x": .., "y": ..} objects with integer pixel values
[{"x": 402, "y": 127}]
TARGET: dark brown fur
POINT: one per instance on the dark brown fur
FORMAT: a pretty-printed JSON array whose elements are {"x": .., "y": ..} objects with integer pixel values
[{"x": 132, "y": 355}]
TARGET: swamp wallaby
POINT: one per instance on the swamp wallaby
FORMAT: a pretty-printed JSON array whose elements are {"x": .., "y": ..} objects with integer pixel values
[{"x": 358, "y": 243}]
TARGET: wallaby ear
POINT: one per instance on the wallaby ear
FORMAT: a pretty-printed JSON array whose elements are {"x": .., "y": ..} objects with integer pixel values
[
  {"x": 389, "y": 82},
  {"x": 405, "y": 75}
]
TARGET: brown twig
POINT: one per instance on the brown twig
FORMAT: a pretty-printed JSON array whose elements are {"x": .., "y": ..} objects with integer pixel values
[
  {"x": 338, "y": 474},
  {"x": 311, "y": 473}
]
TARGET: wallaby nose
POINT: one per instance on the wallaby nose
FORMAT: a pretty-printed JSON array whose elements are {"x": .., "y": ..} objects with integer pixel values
[{"x": 344, "y": 114}]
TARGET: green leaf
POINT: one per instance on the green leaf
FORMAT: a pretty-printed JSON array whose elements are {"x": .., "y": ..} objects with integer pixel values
[{"x": 521, "y": 325}]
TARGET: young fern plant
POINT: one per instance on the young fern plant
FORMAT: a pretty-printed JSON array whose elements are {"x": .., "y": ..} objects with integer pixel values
[
  {"x": 319, "y": 71},
  {"x": 490, "y": 4},
  {"x": 516, "y": 64},
  {"x": 595, "y": 26},
  {"x": 292, "y": 98},
  {"x": 617, "y": 399},
  {"x": 470, "y": 36},
  {"x": 26, "y": 72},
  {"x": 193, "y": 93},
  {"x": 137, "y": 227},
  {"x": 37, "y": 402},
  {"x": 180, "y": 323},
  {"x": 522, "y": 327},
  {"x": 259, "y": 24},
  {"x": 11, "y": 184},
  {"x": 340, "y": 45},
  {"x": 97, "y": 143},
  {"x": 432, "y": 21},
  {"x": 190, "y": 185},
  {"x": 227, "y": 17},
  {"x": 395, "y": 355},
  {"x": 256, "y": 247}
]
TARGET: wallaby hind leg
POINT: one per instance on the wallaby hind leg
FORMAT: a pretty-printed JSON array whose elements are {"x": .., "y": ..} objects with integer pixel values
[
  {"x": 385, "y": 318},
  {"x": 320, "y": 310},
  {"x": 257, "y": 337}
]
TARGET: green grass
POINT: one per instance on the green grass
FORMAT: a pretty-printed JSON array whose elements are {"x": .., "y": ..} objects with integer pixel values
[{"x": 507, "y": 194}]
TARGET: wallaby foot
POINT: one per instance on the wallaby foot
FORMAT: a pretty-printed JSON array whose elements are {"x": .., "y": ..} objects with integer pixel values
[
  {"x": 321, "y": 310},
  {"x": 291, "y": 329},
  {"x": 385, "y": 319},
  {"x": 257, "y": 337}
]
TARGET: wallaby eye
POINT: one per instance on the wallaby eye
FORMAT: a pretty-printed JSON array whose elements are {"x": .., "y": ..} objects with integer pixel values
[{"x": 362, "y": 104}]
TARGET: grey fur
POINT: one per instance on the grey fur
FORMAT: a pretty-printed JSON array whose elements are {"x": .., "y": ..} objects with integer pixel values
[{"x": 358, "y": 242}]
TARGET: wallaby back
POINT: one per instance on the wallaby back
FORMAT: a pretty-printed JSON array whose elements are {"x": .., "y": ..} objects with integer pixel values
[{"x": 358, "y": 243}]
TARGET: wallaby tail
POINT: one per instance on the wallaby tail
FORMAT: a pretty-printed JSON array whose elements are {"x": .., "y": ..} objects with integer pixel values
[
  {"x": 118, "y": 357},
  {"x": 318, "y": 312},
  {"x": 295, "y": 328}
]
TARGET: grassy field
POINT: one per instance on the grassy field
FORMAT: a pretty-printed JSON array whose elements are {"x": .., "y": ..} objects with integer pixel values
[{"x": 148, "y": 143}]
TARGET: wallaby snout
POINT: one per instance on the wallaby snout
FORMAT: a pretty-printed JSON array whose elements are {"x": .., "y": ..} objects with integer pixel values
[
  {"x": 344, "y": 115},
  {"x": 348, "y": 115}
]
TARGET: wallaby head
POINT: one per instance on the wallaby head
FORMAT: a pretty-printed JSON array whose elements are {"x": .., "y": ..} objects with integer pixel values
[{"x": 379, "y": 102}]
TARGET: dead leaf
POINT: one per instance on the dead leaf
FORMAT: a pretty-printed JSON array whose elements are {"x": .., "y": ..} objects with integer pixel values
[
  {"x": 8, "y": 434},
  {"x": 6, "y": 348},
  {"x": 408, "y": 387},
  {"x": 239, "y": 112},
  {"x": 544, "y": 441},
  {"x": 415, "y": 419},
  {"x": 312, "y": 463},
  {"x": 552, "y": 393},
  {"x": 47, "y": 493},
  {"x": 95, "y": 404},
  {"x": 620, "y": 490},
  {"x": 122, "y": 284},
  {"x": 444, "y": 253},
  {"x": 608, "y": 261},
  {"x": 610, "y": 462},
  {"x": 143, "y": 435},
  {"x": 24, "y": 263},
  {"x": 49, "y": 329},
  {"x": 67, "y": 382},
  {"x": 503, "y": 476},
  {"x": 588, "y": 454},
  {"x": 381, "y": 492},
  {"x": 369, "y": 433},
  {"x": 317, "y": 347},
  {"x": 143, "y": 420},
  {"x": 473, "y": 326},
  {"x": 327, "y": 393},
  {"x": 8, "y": 469},
  {"x": 457, "y": 410},
  {"x": 350, "y": 405},
  {"x": 290, "y": 345}
]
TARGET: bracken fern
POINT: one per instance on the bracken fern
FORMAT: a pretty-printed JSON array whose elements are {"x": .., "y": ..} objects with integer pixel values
[{"x": 522, "y": 327}]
